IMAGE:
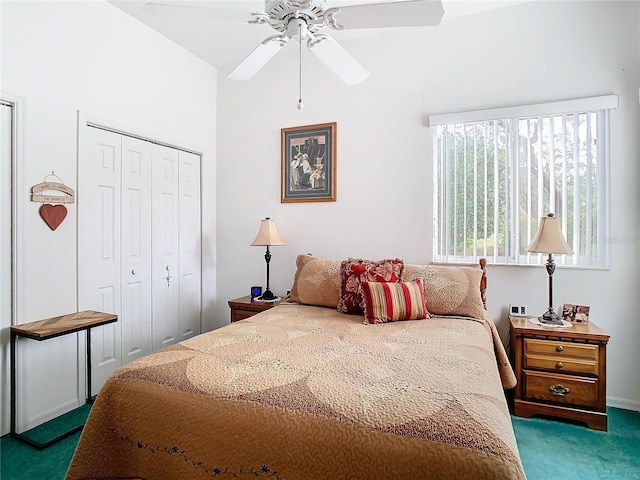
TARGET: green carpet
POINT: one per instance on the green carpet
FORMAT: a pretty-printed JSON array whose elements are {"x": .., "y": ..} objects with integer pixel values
[
  {"x": 549, "y": 449},
  {"x": 559, "y": 450},
  {"x": 19, "y": 461}
]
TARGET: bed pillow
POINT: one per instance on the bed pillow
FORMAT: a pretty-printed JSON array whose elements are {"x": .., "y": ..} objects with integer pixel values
[
  {"x": 355, "y": 271},
  {"x": 449, "y": 290},
  {"x": 316, "y": 282},
  {"x": 389, "y": 302}
]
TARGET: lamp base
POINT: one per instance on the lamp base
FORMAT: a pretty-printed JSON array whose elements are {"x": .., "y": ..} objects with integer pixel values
[
  {"x": 550, "y": 318},
  {"x": 268, "y": 296}
]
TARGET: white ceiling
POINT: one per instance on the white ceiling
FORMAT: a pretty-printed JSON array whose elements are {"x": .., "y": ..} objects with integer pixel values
[{"x": 225, "y": 42}]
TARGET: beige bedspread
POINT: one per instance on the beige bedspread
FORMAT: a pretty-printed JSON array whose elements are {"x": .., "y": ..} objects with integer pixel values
[{"x": 300, "y": 392}]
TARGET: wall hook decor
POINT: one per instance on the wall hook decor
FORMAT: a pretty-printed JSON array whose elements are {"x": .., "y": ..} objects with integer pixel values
[{"x": 53, "y": 215}]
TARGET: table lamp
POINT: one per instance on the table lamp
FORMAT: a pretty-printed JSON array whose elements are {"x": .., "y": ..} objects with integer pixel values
[
  {"x": 267, "y": 236},
  {"x": 549, "y": 240}
]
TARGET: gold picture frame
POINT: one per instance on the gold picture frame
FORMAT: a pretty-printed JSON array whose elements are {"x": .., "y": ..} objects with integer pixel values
[{"x": 308, "y": 163}]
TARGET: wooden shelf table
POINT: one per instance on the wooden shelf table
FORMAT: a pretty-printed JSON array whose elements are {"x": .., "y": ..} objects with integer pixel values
[{"x": 46, "y": 329}]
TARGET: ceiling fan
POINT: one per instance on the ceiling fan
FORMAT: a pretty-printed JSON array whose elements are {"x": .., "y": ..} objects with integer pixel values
[{"x": 303, "y": 20}]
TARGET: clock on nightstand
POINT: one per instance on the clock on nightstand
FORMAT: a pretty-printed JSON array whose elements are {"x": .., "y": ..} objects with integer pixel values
[{"x": 561, "y": 371}]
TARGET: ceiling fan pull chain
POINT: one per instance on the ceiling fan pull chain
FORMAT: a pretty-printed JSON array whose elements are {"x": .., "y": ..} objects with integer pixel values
[{"x": 300, "y": 105}]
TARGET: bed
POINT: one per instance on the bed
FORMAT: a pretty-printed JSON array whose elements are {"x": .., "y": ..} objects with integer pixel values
[{"x": 306, "y": 391}]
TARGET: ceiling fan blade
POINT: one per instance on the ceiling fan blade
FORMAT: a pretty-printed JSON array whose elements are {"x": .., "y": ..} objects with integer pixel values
[
  {"x": 199, "y": 10},
  {"x": 337, "y": 59},
  {"x": 415, "y": 13},
  {"x": 258, "y": 58}
]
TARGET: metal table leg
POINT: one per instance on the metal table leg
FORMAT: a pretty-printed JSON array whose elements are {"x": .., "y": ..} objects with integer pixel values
[{"x": 14, "y": 394}]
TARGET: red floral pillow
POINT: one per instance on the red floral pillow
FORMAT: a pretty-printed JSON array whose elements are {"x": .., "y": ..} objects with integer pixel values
[{"x": 355, "y": 271}]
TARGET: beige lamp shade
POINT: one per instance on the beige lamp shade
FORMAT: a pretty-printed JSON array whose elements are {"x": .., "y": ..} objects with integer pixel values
[
  {"x": 549, "y": 238},
  {"x": 268, "y": 234}
]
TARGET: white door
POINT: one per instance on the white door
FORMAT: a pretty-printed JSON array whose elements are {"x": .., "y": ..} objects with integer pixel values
[
  {"x": 139, "y": 245},
  {"x": 135, "y": 315},
  {"x": 190, "y": 244},
  {"x": 99, "y": 193},
  {"x": 164, "y": 271}
]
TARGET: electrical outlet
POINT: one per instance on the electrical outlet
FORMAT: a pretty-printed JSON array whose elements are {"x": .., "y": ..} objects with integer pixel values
[{"x": 518, "y": 310}]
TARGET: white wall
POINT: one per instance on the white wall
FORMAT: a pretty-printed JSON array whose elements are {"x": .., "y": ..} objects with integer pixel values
[
  {"x": 65, "y": 57},
  {"x": 528, "y": 53}
]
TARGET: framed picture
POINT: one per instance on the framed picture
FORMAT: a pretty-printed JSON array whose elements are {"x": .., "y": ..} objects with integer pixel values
[
  {"x": 575, "y": 313},
  {"x": 309, "y": 163}
]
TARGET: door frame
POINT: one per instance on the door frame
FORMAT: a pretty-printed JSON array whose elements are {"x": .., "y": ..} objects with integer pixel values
[
  {"x": 89, "y": 120},
  {"x": 10, "y": 250}
]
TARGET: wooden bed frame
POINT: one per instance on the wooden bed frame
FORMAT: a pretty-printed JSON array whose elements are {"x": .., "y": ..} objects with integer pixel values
[{"x": 483, "y": 282}]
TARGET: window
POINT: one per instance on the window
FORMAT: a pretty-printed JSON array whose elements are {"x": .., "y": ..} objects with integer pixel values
[{"x": 498, "y": 171}]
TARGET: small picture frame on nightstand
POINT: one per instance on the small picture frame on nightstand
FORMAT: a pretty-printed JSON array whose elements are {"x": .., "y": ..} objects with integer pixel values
[{"x": 575, "y": 313}]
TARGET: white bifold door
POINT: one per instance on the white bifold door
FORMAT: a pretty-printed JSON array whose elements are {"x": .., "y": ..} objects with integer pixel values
[
  {"x": 139, "y": 249},
  {"x": 176, "y": 245}
]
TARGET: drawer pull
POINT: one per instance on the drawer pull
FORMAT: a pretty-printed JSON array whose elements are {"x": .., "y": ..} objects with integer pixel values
[
  {"x": 559, "y": 390},
  {"x": 559, "y": 348},
  {"x": 559, "y": 365}
]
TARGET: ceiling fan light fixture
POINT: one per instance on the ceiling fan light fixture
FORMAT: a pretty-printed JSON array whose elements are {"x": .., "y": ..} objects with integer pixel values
[
  {"x": 297, "y": 29},
  {"x": 281, "y": 12}
]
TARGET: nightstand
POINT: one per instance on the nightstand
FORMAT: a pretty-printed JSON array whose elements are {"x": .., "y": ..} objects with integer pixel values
[
  {"x": 561, "y": 372},
  {"x": 245, "y": 307}
]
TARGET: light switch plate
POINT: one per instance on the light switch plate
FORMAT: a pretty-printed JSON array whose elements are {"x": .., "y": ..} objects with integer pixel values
[{"x": 518, "y": 310}]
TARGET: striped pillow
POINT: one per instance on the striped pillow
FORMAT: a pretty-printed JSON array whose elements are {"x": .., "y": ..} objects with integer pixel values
[{"x": 389, "y": 302}]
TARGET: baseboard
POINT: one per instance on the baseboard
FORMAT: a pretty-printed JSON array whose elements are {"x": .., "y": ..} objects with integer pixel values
[
  {"x": 623, "y": 403},
  {"x": 50, "y": 414}
]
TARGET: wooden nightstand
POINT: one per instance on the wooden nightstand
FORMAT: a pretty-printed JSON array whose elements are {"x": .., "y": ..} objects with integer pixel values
[
  {"x": 245, "y": 307},
  {"x": 561, "y": 372}
]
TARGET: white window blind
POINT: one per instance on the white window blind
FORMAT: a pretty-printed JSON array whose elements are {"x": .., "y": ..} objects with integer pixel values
[{"x": 498, "y": 171}]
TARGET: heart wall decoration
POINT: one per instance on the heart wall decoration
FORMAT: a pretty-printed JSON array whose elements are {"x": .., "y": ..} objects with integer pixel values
[{"x": 53, "y": 215}]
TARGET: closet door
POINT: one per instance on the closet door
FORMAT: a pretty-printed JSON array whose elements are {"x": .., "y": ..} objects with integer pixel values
[
  {"x": 139, "y": 245},
  {"x": 99, "y": 192},
  {"x": 165, "y": 274},
  {"x": 135, "y": 315},
  {"x": 190, "y": 244}
]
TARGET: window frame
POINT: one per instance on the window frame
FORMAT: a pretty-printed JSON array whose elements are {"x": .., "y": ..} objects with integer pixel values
[{"x": 601, "y": 104}]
